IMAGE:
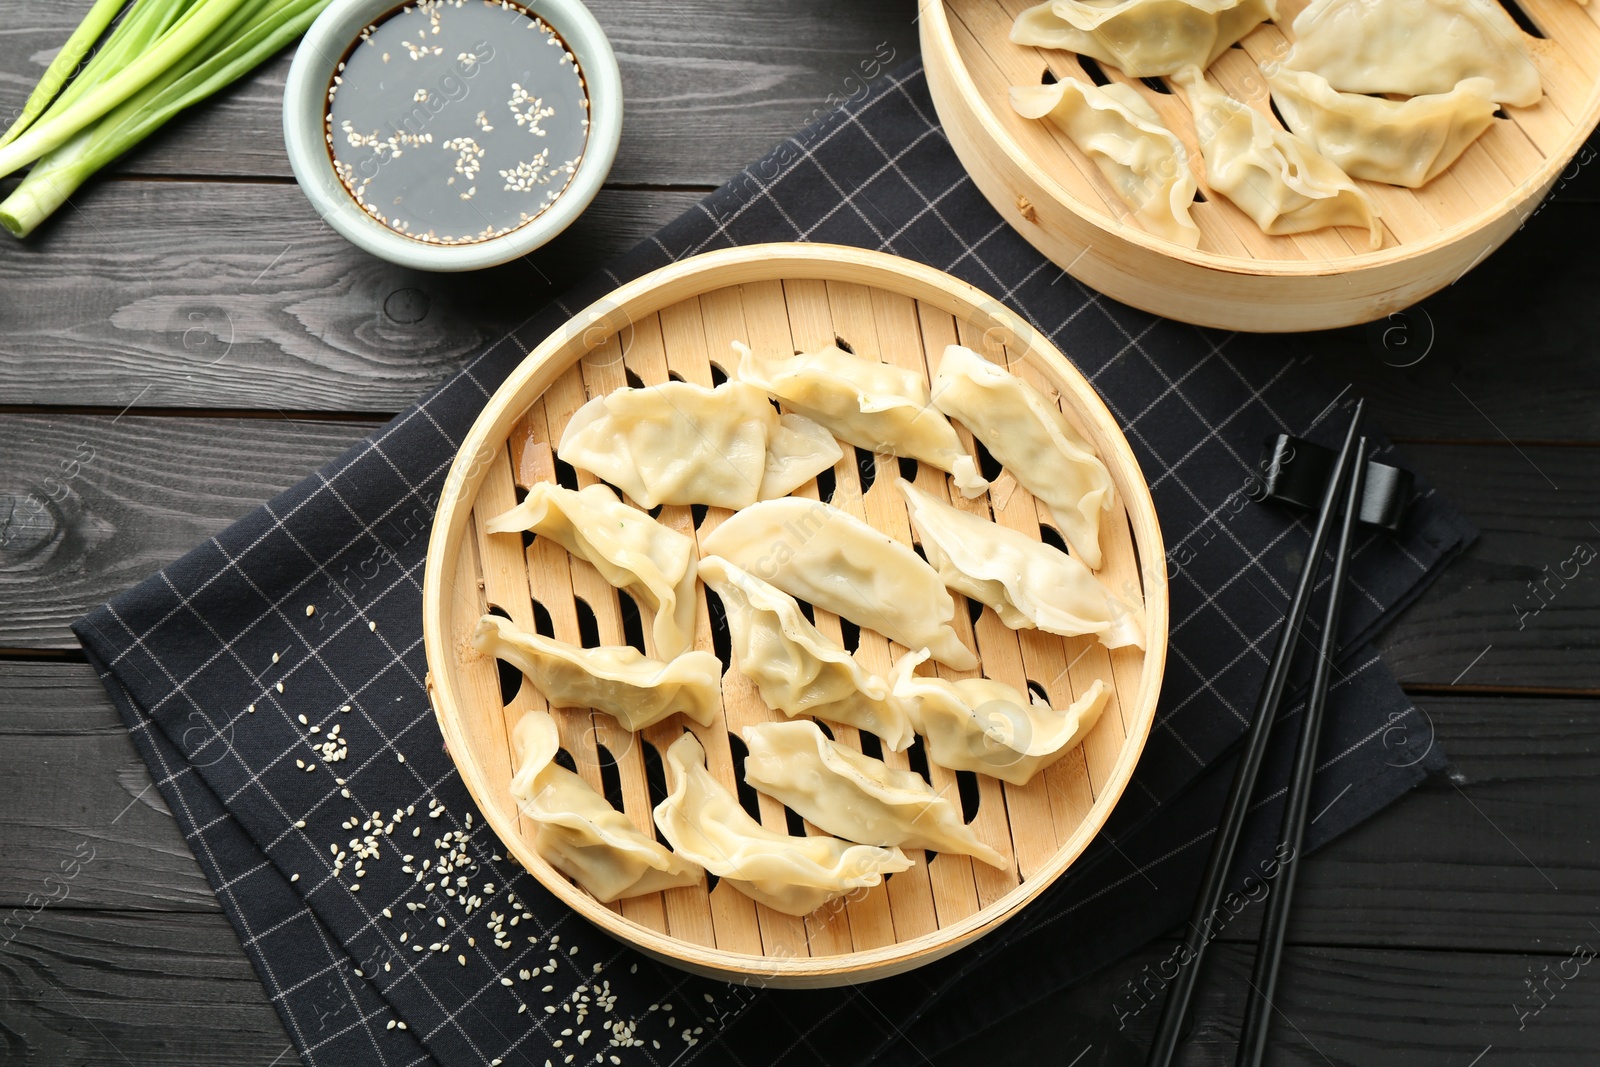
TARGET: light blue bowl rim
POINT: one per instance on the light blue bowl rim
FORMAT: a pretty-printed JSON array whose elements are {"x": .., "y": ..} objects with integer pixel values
[{"x": 304, "y": 100}]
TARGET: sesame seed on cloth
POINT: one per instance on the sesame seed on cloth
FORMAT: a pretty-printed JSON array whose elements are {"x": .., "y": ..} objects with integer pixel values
[{"x": 222, "y": 639}]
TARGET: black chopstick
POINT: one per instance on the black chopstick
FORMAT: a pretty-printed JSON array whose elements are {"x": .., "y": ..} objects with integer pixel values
[
  {"x": 1171, "y": 1026},
  {"x": 1269, "y": 947}
]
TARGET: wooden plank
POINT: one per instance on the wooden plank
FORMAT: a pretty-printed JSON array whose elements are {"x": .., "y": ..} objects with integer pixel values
[
  {"x": 728, "y": 79},
  {"x": 1535, "y": 507},
  {"x": 1373, "y": 1006},
  {"x": 95, "y": 504},
  {"x": 114, "y": 988},
  {"x": 237, "y": 296},
  {"x": 55, "y": 716}
]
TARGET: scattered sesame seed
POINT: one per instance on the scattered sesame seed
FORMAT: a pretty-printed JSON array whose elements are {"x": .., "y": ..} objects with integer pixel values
[
  {"x": 311, "y": 609},
  {"x": 294, "y": 878}
]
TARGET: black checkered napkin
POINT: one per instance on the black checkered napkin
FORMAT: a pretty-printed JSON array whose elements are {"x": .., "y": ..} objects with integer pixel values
[{"x": 273, "y": 681}]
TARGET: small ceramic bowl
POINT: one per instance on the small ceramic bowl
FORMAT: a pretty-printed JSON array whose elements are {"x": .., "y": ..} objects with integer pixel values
[{"x": 305, "y": 103}]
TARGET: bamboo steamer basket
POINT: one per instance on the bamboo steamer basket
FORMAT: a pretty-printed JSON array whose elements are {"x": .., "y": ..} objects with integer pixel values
[
  {"x": 680, "y": 321},
  {"x": 1240, "y": 278}
]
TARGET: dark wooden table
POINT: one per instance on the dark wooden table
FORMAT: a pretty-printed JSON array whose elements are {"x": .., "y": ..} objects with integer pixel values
[{"x": 188, "y": 339}]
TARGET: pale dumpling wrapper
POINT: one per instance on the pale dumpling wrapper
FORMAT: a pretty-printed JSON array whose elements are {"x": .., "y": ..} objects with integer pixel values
[
  {"x": 794, "y": 875},
  {"x": 798, "y": 669},
  {"x": 854, "y": 796},
  {"x": 1401, "y": 142},
  {"x": 1415, "y": 48},
  {"x": 1144, "y": 162},
  {"x": 1029, "y": 584},
  {"x": 836, "y": 562},
  {"x": 578, "y": 832},
  {"x": 865, "y": 402},
  {"x": 1032, "y": 440},
  {"x": 1142, "y": 38},
  {"x": 1277, "y": 178},
  {"x": 682, "y": 443},
  {"x": 631, "y": 551},
  {"x": 986, "y": 726},
  {"x": 619, "y": 680}
]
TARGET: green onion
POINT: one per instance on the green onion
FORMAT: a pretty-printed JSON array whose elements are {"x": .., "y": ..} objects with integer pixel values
[
  {"x": 164, "y": 56},
  {"x": 60, "y": 69}
]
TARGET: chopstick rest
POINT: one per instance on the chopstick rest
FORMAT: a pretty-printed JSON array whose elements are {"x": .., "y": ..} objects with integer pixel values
[
  {"x": 1170, "y": 1028},
  {"x": 1269, "y": 946},
  {"x": 1295, "y": 472}
]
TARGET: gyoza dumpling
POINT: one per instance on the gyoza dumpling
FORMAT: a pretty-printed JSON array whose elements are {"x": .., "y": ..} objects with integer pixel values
[
  {"x": 631, "y": 550},
  {"x": 1031, "y": 439},
  {"x": 1116, "y": 128},
  {"x": 835, "y": 561},
  {"x": 870, "y": 404},
  {"x": 682, "y": 443},
  {"x": 1029, "y": 584},
  {"x": 1276, "y": 178},
  {"x": 633, "y": 689},
  {"x": 1142, "y": 38},
  {"x": 978, "y": 724},
  {"x": 578, "y": 832},
  {"x": 798, "y": 669},
  {"x": 854, "y": 796},
  {"x": 796, "y": 453},
  {"x": 1402, "y": 142},
  {"x": 794, "y": 875},
  {"x": 1415, "y": 47}
]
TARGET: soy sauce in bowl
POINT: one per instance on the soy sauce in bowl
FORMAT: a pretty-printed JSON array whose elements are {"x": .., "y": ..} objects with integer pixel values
[{"x": 453, "y": 122}]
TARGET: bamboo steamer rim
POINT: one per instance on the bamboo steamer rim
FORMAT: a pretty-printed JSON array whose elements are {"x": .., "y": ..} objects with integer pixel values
[
  {"x": 938, "y": 35},
  {"x": 596, "y": 325}
]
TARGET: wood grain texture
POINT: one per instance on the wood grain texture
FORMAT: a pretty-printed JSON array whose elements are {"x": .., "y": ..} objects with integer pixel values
[
  {"x": 727, "y": 78},
  {"x": 72, "y": 785},
  {"x": 236, "y": 296},
  {"x": 1336, "y": 1007},
  {"x": 92, "y": 504},
  {"x": 1536, "y": 509},
  {"x": 157, "y": 990}
]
